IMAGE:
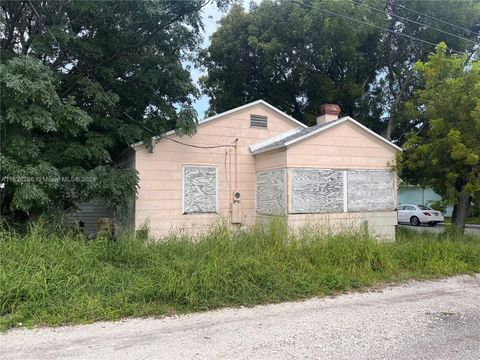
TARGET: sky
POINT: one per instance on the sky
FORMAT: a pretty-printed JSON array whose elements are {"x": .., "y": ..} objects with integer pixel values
[{"x": 211, "y": 16}]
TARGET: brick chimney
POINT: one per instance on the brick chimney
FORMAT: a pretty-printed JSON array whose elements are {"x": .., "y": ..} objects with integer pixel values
[{"x": 328, "y": 112}]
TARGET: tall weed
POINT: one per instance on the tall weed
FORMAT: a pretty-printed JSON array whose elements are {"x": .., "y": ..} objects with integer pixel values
[{"x": 56, "y": 276}]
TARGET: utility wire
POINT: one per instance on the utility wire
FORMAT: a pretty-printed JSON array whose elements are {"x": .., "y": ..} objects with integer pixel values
[
  {"x": 84, "y": 75},
  {"x": 440, "y": 20},
  {"x": 201, "y": 146},
  {"x": 358, "y": 2},
  {"x": 370, "y": 24}
]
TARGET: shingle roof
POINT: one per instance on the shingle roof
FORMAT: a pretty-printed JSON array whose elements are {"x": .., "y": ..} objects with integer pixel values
[{"x": 279, "y": 141}]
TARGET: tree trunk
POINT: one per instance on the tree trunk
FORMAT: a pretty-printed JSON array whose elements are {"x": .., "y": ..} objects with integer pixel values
[
  {"x": 390, "y": 126},
  {"x": 461, "y": 212}
]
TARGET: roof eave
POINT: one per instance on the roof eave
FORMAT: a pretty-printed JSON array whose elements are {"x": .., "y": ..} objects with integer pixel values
[
  {"x": 261, "y": 151},
  {"x": 388, "y": 142}
]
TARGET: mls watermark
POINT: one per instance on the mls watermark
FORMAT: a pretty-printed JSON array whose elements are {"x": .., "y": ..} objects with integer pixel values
[{"x": 47, "y": 179}]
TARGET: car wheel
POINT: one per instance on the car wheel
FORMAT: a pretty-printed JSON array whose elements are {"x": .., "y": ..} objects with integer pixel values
[
  {"x": 415, "y": 221},
  {"x": 432, "y": 223}
]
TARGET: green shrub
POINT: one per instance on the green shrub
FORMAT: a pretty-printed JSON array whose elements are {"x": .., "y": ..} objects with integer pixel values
[{"x": 51, "y": 276}]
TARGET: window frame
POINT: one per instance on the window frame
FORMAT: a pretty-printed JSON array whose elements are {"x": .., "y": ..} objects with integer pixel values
[{"x": 184, "y": 166}]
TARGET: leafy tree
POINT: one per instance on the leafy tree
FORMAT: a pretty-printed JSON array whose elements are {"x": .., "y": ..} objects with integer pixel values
[
  {"x": 400, "y": 53},
  {"x": 293, "y": 57},
  {"x": 47, "y": 158},
  {"x": 445, "y": 152},
  {"x": 80, "y": 80},
  {"x": 297, "y": 56}
]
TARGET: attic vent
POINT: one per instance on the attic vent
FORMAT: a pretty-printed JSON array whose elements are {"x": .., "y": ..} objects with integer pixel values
[{"x": 258, "y": 121}]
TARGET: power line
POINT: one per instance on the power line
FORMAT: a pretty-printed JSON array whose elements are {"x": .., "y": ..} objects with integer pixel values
[
  {"x": 84, "y": 75},
  {"x": 370, "y": 24},
  {"x": 357, "y": 2},
  {"x": 201, "y": 146},
  {"x": 440, "y": 20}
]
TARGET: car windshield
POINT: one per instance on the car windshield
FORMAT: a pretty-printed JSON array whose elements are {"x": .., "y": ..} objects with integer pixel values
[{"x": 421, "y": 207}]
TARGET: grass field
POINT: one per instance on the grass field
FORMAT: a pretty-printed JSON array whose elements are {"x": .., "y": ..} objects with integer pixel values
[{"x": 54, "y": 277}]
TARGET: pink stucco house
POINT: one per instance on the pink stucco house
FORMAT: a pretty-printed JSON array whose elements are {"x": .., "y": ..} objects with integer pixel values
[{"x": 254, "y": 162}]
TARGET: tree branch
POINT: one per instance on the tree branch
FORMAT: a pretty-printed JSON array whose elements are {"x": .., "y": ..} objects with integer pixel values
[{"x": 150, "y": 37}]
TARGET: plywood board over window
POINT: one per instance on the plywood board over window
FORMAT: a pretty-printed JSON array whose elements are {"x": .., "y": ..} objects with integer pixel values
[
  {"x": 370, "y": 190},
  {"x": 271, "y": 192},
  {"x": 199, "y": 189},
  {"x": 317, "y": 191}
]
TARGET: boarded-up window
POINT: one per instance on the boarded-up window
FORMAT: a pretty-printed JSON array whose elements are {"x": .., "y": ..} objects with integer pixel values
[
  {"x": 370, "y": 190},
  {"x": 317, "y": 191},
  {"x": 199, "y": 189},
  {"x": 271, "y": 197},
  {"x": 258, "y": 121}
]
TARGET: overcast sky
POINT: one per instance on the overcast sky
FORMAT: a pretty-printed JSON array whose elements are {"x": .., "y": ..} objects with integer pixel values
[{"x": 211, "y": 15}]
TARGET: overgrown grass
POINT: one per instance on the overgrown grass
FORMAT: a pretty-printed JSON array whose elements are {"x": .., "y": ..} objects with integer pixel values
[{"x": 54, "y": 277}]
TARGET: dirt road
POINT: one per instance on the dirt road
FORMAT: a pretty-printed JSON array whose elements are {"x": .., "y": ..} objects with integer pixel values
[{"x": 419, "y": 320}]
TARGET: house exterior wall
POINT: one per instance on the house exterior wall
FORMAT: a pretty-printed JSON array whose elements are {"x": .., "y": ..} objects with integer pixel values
[
  {"x": 344, "y": 146},
  {"x": 87, "y": 215},
  {"x": 378, "y": 224},
  {"x": 335, "y": 211},
  {"x": 349, "y": 149},
  {"x": 160, "y": 195},
  {"x": 275, "y": 159}
]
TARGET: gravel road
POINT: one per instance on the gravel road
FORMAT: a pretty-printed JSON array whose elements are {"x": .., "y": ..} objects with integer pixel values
[{"x": 418, "y": 320}]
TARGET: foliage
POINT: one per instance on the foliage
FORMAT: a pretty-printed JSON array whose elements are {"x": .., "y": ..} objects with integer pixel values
[
  {"x": 52, "y": 277},
  {"x": 290, "y": 56},
  {"x": 299, "y": 56},
  {"x": 48, "y": 159},
  {"x": 80, "y": 81},
  {"x": 400, "y": 53},
  {"x": 445, "y": 153}
]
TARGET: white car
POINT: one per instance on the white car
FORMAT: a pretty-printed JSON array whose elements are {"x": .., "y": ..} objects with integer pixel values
[{"x": 418, "y": 214}]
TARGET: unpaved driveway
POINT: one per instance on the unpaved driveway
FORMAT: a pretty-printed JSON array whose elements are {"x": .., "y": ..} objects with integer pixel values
[{"x": 419, "y": 320}]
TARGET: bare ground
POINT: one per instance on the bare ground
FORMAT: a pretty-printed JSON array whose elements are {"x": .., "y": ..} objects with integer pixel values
[{"x": 418, "y": 320}]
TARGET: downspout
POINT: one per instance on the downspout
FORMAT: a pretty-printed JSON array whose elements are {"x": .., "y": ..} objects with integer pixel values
[
  {"x": 236, "y": 165},
  {"x": 230, "y": 169},
  {"x": 229, "y": 152}
]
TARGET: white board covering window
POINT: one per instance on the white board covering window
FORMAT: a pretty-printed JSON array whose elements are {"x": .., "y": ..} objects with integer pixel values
[
  {"x": 199, "y": 189},
  {"x": 370, "y": 190},
  {"x": 317, "y": 191},
  {"x": 271, "y": 192}
]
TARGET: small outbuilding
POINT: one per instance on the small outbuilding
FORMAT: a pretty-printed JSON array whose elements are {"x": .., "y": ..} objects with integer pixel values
[{"x": 255, "y": 162}]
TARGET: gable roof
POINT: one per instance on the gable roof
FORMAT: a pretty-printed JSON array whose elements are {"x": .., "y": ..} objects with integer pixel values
[
  {"x": 293, "y": 137},
  {"x": 228, "y": 112},
  {"x": 246, "y": 106}
]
